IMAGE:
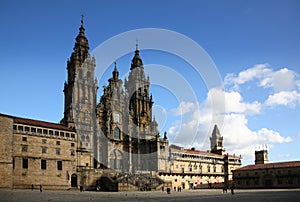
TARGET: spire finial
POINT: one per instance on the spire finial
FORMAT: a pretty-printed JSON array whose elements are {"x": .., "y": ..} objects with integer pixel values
[
  {"x": 82, "y": 20},
  {"x": 115, "y": 63},
  {"x": 137, "y": 45}
]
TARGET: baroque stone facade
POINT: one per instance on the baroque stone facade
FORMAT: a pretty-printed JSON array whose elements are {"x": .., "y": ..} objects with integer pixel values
[{"x": 112, "y": 143}]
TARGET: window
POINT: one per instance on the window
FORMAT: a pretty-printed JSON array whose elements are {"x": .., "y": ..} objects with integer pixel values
[
  {"x": 222, "y": 169},
  {"x": 72, "y": 153},
  {"x": 43, "y": 164},
  {"x": 39, "y": 131},
  {"x": 117, "y": 133},
  {"x": 33, "y": 130},
  {"x": 57, "y": 142},
  {"x": 72, "y": 144},
  {"x": 45, "y": 132},
  {"x": 191, "y": 169},
  {"x": 59, "y": 165},
  {"x": 56, "y": 133},
  {"x": 215, "y": 169},
  {"x": 24, "y": 148},
  {"x": 20, "y": 128},
  {"x": 50, "y": 132},
  {"x": 177, "y": 166},
  {"x": 44, "y": 150},
  {"x": 44, "y": 141},
  {"x": 67, "y": 134},
  {"x": 14, "y": 127},
  {"x": 208, "y": 168},
  {"x": 62, "y": 134},
  {"x": 72, "y": 135},
  {"x": 26, "y": 129},
  {"x": 116, "y": 117},
  {"x": 182, "y": 170},
  {"x": 25, "y": 163},
  {"x": 24, "y": 139},
  {"x": 58, "y": 151}
]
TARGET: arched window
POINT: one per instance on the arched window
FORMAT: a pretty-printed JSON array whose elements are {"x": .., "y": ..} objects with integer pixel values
[
  {"x": 117, "y": 133},
  {"x": 116, "y": 160},
  {"x": 88, "y": 76}
]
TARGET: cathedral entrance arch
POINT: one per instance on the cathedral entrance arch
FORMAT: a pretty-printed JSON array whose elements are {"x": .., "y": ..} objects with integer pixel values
[{"x": 74, "y": 180}]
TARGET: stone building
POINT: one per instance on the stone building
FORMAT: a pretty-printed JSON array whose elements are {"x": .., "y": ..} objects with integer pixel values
[
  {"x": 267, "y": 175},
  {"x": 191, "y": 168},
  {"x": 37, "y": 153}
]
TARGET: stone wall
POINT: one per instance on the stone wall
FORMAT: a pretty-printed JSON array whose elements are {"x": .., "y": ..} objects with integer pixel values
[{"x": 6, "y": 160}]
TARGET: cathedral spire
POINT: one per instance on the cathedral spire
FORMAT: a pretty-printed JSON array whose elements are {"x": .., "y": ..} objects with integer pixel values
[
  {"x": 81, "y": 47},
  {"x": 115, "y": 72},
  {"x": 136, "y": 60}
]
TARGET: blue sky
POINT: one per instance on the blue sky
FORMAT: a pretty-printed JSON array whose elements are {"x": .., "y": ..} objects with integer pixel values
[{"x": 255, "y": 46}]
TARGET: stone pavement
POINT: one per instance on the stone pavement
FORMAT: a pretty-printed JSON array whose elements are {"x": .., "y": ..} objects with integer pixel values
[{"x": 190, "y": 196}]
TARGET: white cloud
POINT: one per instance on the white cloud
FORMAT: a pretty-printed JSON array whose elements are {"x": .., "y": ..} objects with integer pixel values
[
  {"x": 285, "y": 98},
  {"x": 230, "y": 102},
  {"x": 184, "y": 107},
  {"x": 195, "y": 128},
  {"x": 281, "y": 80},
  {"x": 229, "y": 111}
]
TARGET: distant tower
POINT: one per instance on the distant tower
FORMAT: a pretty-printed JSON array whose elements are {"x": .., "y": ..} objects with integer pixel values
[
  {"x": 261, "y": 156},
  {"x": 216, "y": 142},
  {"x": 80, "y": 92}
]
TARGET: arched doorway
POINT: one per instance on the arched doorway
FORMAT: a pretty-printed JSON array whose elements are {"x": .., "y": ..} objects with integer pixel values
[
  {"x": 74, "y": 180},
  {"x": 116, "y": 160}
]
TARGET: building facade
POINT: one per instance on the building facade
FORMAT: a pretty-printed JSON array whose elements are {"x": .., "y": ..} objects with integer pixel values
[
  {"x": 113, "y": 138},
  {"x": 37, "y": 153},
  {"x": 191, "y": 168},
  {"x": 268, "y": 175}
]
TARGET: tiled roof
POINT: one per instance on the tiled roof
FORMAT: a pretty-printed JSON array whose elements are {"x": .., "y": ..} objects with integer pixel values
[
  {"x": 199, "y": 152},
  {"x": 33, "y": 122},
  {"x": 271, "y": 165}
]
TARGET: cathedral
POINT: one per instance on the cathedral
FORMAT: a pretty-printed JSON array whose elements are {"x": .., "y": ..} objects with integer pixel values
[
  {"x": 112, "y": 143},
  {"x": 119, "y": 131}
]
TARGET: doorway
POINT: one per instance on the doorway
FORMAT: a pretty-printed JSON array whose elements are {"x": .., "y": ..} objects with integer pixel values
[{"x": 74, "y": 180}]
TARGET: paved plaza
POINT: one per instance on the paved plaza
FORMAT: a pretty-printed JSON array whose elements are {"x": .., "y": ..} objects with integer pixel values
[{"x": 192, "y": 195}]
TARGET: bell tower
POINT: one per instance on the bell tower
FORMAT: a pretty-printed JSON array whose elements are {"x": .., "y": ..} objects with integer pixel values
[
  {"x": 140, "y": 100},
  {"x": 80, "y": 92},
  {"x": 216, "y": 141}
]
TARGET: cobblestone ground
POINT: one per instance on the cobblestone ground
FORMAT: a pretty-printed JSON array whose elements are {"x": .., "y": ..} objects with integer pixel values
[{"x": 190, "y": 196}]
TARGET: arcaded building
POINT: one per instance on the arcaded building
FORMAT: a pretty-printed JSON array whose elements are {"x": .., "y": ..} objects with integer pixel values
[
  {"x": 263, "y": 174},
  {"x": 191, "y": 168}
]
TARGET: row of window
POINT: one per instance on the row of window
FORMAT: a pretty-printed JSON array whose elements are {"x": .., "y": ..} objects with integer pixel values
[
  {"x": 44, "y": 150},
  {"x": 44, "y": 141},
  {"x": 278, "y": 172},
  {"x": 200, "y": 168},
  {"x": 176, "y": 155},
  {"x": 43, "y": 164},
  {"x": 28, "y": 129}
]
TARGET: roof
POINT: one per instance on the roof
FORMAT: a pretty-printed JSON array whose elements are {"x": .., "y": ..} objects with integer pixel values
[
  {"x": 199, "y": 152},
  {"x": 33, "y": 122},
  {"x": 287, "y": 164}
]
